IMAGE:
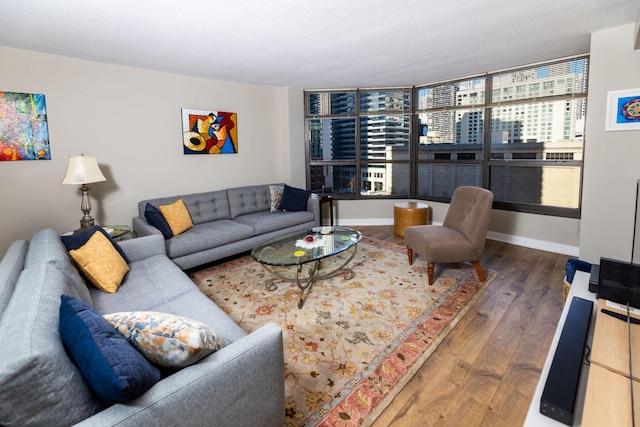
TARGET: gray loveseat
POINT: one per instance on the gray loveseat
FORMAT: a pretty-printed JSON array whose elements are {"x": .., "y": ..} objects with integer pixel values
[
  {"x": 226, "y": 222},
  {"x": 242, "y": 384}
]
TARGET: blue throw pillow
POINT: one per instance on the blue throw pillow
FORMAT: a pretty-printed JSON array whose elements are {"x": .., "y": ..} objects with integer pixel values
[
  {"x": 154, "y": 217},
  {"x": 111, "y": 366},
  {"x": 293, "y": 199},
  {"x": 79, "y": 238}
]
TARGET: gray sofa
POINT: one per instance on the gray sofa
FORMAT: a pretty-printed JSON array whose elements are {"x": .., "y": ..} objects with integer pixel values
[
  {"x": 226, "y": 222},
  {"x": 242, "y": 384}
]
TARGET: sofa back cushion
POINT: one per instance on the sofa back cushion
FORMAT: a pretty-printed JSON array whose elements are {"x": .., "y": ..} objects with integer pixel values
[
  {"x": 206, "y": 207},
  {"x": 249, "y": 199},
  {"x": 47, "y": 247},
  {"x": 203, "y": 207},
  {"x": 39, "y": 385},
  {"x": 10, "y": 268}
]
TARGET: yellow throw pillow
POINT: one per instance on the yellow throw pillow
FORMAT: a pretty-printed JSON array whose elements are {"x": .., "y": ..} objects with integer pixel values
[
  {"x": 177, "y": 217},
  {"x": 101, "y": 263}
]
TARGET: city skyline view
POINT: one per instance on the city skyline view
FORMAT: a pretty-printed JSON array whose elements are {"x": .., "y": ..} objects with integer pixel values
[{"x": 536, "y": 115}]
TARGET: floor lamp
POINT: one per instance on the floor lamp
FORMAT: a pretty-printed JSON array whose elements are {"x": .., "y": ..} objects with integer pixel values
[{"x": 83, "y": 170}]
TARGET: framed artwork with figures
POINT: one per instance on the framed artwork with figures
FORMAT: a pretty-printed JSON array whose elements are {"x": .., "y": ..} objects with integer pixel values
[{"x": 209, "y": 132}]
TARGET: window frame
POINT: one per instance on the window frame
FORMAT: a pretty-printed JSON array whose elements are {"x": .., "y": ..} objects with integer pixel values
[{"x": 487, "y": 161}]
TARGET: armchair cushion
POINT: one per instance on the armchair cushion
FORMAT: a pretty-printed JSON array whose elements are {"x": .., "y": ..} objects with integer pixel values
[{"x": 440, "y": 245}]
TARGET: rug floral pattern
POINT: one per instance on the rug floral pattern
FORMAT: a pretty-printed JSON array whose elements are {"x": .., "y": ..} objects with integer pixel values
[{"x": 355, "y": 342}]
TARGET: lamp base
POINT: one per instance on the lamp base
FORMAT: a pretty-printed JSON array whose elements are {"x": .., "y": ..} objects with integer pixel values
[
  {"x": 87, "y": 220},
  {"x": 85, "y": 223}
]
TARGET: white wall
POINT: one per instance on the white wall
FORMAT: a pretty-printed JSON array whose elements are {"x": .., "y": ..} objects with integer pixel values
[
  {"x": 612, "y": 159},
  {"x": 130, "y": 120}
]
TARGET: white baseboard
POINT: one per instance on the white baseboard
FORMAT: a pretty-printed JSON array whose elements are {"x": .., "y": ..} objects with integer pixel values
[
  {"x": 527, "y": 242},
  {"x": 543, "y": 245},
  {"x": 366, "y": 221}
]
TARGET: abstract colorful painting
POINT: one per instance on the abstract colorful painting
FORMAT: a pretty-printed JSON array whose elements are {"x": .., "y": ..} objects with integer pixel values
[
  {"x": 24, "y": 134},
  {"x": 209, "y": 132},
  {"x": 623, "y": 110}
]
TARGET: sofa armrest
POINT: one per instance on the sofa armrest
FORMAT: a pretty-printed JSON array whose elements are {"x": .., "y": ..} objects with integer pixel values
[
  {"x": 143, "y": 247},
  {"x": 313, "y": 206},
  {"x": 240, "y": 385},
  {"x": 142, "y": 228}
]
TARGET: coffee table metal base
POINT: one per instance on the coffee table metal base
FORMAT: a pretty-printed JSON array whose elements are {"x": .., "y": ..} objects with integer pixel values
[{"x": 312, "y": 276}]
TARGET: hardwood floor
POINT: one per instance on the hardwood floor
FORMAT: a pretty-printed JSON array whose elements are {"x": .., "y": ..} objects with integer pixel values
[{"x": 485, "y": 372}]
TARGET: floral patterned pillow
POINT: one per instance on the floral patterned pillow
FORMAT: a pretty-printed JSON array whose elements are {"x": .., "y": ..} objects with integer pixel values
[
  {"x": 166, "y": 339},
  {"x": 275, "y": 191}
]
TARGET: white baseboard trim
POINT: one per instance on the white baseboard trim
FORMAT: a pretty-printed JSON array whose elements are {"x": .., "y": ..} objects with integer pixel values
[
  {"x": 543, "y": 245},
  {"x": 527, "y": 242},
  {"x": 366, "y": 221}
]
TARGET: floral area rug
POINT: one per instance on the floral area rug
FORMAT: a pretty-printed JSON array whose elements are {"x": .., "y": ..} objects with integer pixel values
[{"x": 355, "y": 343}]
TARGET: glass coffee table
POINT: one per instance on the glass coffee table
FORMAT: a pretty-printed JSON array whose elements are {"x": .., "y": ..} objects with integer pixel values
[{"x": 313, "y": 248}]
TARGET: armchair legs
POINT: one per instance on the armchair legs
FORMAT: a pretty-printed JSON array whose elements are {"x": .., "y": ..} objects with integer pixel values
[
  {"x": 431, "y": 267},
  {"x": 480, "y": 271}
]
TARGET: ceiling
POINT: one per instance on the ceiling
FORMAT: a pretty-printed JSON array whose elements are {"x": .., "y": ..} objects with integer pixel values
[{"x": 311, "y": 44}]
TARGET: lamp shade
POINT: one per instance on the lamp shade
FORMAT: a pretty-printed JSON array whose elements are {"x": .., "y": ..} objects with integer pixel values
[{"x": 83, "y": 170}]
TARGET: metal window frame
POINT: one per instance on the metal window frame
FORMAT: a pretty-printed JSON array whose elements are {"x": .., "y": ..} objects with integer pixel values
[{"x": 486, "y": 162}]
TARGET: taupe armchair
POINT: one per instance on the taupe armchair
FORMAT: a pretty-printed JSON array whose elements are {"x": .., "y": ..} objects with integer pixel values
[{"x": 462, "y": 236}]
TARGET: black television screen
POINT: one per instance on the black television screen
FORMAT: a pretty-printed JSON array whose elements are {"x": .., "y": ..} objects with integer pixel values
[{"x": 619, "y": 282}]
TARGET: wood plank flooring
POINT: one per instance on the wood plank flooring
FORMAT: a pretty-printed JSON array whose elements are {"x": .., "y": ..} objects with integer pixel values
[{"x": 486, "y": 370}]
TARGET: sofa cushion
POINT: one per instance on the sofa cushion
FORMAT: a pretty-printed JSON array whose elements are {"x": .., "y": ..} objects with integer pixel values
[
  {"x": 208, "y": 206},
  {"x": 249, "y": 199},
  {"x": 196, "y": 305},
  {"x": 101, "y": 263},
  {"x": 165, "y": 339},
  {"x": 294, "y": 199},
  {"x": 266, "y": 222},
  {"x": 115, "y": 370},
  {"x": 39, "y": 385},
  {"x": 154, "y": 217},
  {"x": 203, "y": 207},
  {"x": 177, "y": 216},
  {"x": 46, "y": 246},
  {"x": 206, "y": 236},
  {"x": 157, "y": 284},
  {"x": 11, "y": 266},
  {"x": 151, "y": 281}
]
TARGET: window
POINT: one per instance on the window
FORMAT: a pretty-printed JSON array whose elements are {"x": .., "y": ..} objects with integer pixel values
[
  {"x": 546, "y": 139},
  {"x": 359, "y": 141},
  {"x": 559, "y": 156},
  {"x": 517, "y": 132}
]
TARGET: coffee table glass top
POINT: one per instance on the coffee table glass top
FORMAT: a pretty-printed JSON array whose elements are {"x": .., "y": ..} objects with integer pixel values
[{"x": 292, "y": 249}]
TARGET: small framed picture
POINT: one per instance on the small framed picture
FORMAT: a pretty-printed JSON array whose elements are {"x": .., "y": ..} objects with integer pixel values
[{"x": 623, "y": 110}]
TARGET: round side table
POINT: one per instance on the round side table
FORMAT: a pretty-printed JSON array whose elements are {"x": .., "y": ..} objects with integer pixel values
[
  {"x": 117, "y": 232},
  {"x": 406, "y": 214}
]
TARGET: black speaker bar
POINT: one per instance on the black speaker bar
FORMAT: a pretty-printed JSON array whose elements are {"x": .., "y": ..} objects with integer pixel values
[{"x": 559, "y": 394}]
